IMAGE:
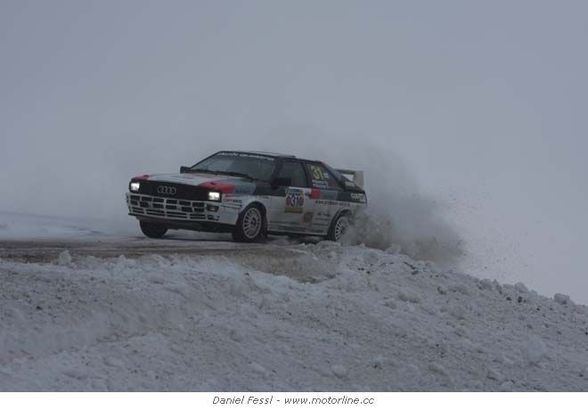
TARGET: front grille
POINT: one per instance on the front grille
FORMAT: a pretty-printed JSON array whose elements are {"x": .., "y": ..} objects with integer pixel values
[
  {"x": 187, "y": 192},
  {"x": 166, "y": 207}
]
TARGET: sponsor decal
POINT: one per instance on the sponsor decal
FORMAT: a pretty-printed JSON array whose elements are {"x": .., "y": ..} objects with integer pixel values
[
  {"x": 294, "y": 201},
  {"x": 315, "y": 193},
  {"x": 247, "y": 155},
  {"x": 324, "y": 202},
  {"x": 320, "y": 179},
  {"x": 317, "y": 173},
  {"x": 358, "y": 197},
  {"x": 319, "y": 184}
]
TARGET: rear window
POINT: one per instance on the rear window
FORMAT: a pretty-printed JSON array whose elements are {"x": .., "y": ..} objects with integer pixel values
[{"x": 321, "y": 177}]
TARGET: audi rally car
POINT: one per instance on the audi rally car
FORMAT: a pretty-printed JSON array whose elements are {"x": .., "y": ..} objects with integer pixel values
[{"x": 249, "y": 194}]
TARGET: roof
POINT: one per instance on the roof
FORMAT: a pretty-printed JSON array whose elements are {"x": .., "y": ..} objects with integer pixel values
[{"x": 265, "y": 153}]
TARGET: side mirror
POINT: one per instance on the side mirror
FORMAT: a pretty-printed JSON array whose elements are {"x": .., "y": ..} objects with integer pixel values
[
  {"x": 184, "y": 169},
  {"x": 278, "y": 182}
]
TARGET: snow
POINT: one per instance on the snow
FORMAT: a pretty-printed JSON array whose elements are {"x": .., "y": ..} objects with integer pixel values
[
  {"x": 16, "y": 225},
  {"x": 562, "y": 299},
  {"x": 64, "y": 258},
  {"x": 535, "y": 350},
  {"x": 279, "y": 316}
]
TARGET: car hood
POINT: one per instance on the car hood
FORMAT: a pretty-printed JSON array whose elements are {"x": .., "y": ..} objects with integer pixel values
[{"x": 195, "y": 179}]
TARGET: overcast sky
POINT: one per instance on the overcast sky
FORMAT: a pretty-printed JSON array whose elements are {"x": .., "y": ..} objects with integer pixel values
[{"x": 482, "y": 105}]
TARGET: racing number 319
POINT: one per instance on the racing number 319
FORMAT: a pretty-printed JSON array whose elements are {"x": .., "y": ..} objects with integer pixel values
[{"x": 294, "y": 201}]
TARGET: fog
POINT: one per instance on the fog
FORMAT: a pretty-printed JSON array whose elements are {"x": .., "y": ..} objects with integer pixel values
[{"x": 468, "y": 117}]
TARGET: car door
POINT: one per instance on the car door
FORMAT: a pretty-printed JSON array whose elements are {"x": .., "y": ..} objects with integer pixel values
[
  {"x": 324, "y": 197},
  {"x": 292, "y": 210}
]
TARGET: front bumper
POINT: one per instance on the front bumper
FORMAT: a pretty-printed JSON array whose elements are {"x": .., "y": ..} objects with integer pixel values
[{"x": 174, "y": 210}]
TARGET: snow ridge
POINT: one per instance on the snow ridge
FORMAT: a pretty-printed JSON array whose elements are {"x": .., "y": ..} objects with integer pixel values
[{"x": 332, "y": 318}]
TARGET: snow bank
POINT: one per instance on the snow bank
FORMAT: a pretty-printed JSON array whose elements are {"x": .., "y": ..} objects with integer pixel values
[{"x": 323, "y": 317}]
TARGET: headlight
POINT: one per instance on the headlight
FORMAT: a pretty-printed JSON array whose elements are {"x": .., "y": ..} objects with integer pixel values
[
  {"x": 134, "y": 186},
  {"x": 214, "y": 196}
]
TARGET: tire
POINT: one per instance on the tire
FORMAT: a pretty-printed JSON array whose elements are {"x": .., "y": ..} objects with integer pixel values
[
  {"x": 339, "y": 227},
  {"x": 152, "y": 230},
  {"x": 251, "y": 225}
]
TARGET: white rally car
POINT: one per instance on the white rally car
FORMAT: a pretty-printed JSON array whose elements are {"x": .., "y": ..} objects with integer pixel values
[{"x": 250, "y": 194}]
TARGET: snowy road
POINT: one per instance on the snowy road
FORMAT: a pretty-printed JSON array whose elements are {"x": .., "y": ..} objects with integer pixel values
[
  {"x": 107, "y": 313},
  {"x": 46, "y": 250}
]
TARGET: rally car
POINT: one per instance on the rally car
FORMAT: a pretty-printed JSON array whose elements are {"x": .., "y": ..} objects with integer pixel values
[{"x": 249, "y": 194}]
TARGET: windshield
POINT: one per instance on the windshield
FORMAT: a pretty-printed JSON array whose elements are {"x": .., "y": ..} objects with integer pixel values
[{"x": 236, "y": 163}]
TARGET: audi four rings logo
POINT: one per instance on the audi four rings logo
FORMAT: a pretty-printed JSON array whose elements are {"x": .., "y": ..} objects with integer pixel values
[{"x": 166, "y": 190}]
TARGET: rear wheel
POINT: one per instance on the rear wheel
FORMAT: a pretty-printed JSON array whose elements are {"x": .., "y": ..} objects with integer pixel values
[
  {"x": 250, "y": 225},
  {"x": 152, "y": 230},
  {"x": 339, "y": 227}
]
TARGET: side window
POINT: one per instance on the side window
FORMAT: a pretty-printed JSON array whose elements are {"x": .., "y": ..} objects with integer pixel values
[
  {"x": 321, "y": 178},
  {"x": 294, "y": 171}
]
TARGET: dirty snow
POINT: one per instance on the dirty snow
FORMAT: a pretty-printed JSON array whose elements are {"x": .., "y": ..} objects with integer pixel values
[{"x": 311, "y": 317}]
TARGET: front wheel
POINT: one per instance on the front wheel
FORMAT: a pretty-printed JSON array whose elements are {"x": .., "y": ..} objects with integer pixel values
[
  {"x": 338, "y": 228},
  {"x": 152, "y": 230},
  {"x": 250, "y": 225}
]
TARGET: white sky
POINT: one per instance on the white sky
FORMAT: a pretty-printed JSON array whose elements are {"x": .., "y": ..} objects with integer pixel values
[{"x": 483, "y": 102}]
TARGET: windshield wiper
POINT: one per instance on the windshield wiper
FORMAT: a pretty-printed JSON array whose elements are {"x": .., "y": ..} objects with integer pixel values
[
  {"x": 231, "y": 173},
  {"x": 204, "y": 171}
]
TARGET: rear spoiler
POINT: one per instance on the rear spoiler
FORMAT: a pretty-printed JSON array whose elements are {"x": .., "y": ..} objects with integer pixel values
[{"x": 354, "y": 176}]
